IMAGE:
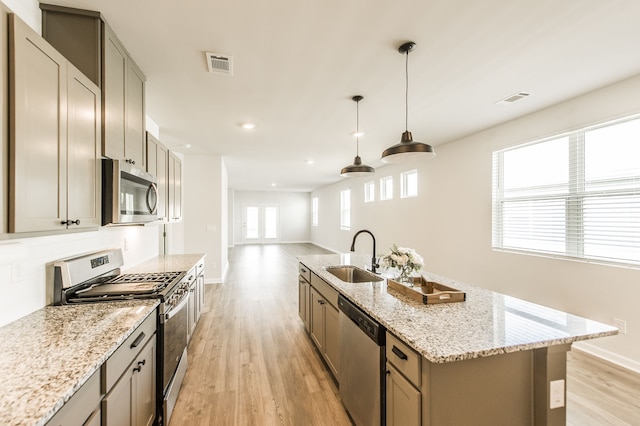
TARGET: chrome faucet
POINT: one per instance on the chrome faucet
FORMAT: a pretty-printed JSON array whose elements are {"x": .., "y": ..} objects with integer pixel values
[{"x": 374, "y": 261}]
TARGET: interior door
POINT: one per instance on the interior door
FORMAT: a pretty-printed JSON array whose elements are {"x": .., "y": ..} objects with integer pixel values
[{"x": 260, "y": 224}]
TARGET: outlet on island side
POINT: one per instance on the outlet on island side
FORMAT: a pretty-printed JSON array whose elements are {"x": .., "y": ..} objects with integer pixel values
[
  {"x": 556, "y": 394},
  {"x": 621, "y": 324}
]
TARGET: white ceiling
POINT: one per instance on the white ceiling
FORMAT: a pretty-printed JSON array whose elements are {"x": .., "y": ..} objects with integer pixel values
[{"x": 298, "y": 63}]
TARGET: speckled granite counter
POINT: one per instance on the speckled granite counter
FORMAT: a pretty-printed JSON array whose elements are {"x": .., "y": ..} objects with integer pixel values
[
  {"x": 46, "y": 356},
  {"x": 168, "y": 263},
  {"x": 486, "y": 324}
]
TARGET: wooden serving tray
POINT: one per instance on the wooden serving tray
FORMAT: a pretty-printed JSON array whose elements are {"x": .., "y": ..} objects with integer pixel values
[{"x": 427, "y": 292}]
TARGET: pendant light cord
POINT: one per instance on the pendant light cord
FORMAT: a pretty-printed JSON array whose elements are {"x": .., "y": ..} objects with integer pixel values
[
  {"x": 358, "y": 128},
  {"x": 406, "y": 93}
]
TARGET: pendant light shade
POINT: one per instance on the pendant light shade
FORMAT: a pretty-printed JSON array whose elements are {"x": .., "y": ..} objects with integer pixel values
[
  {"x": 357, "y": 168},
  {"x": 407, "y": 149}
]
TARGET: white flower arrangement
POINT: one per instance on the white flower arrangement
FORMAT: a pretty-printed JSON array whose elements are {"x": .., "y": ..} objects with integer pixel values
[{"x": 406, "y": 260}]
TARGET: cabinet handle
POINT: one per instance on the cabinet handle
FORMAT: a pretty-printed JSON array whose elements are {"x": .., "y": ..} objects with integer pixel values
[
  {"x": 140, "y": 364},
  {"x": 399, "y": 353},
  {"x": 70, "y": 222},
  {"x": 137, "y": 341},
  {"x": 321, "y": 302}
]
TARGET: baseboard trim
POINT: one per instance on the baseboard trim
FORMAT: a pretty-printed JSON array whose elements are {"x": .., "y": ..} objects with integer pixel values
[{"x": 613, "y": 358}]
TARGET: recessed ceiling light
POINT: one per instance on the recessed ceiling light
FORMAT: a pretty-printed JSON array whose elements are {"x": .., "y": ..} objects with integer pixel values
[
  {"x": 248, "y": 126},
  {"x": 273, "y": 184},
  {"x": 358, "y": 134},
  {"x": 186, "y": 145},
  {"x": 309, "y": 162}
]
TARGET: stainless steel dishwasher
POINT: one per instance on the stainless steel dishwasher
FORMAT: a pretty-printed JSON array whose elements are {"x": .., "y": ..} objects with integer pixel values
[{"x": 362, "y": 365}]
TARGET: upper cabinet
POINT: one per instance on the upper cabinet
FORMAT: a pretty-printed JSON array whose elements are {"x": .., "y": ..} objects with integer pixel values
[
  {"x": 158, "y": 165},
  {"x": 54, "y": 139},
  {"x": 85, "y": 38},
  {"x": 175, "y": 188}
]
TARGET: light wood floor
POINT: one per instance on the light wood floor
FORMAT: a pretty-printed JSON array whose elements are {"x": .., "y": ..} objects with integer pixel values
[{"x": 251, "y": 362}]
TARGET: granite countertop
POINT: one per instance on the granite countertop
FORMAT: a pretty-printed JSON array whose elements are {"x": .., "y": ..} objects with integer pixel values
[
  {"x": 46, "y": 356},
  {"x": 167, "y": 263},
  {"x": 487, "y": 323}
]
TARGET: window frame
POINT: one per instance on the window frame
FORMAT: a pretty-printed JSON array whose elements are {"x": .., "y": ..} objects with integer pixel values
[
  {"x": 404, "y": 183},
  {"x": 577, "y": 195},
  {"x": 384, "y": 196},
  {"x": 370, "y": 191}
]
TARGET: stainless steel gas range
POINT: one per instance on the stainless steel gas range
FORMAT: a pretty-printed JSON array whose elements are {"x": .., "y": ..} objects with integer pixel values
[{"x": 97, "y": 277}]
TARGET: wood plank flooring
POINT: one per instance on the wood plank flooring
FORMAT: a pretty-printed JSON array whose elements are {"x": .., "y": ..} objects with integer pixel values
[{"x": 252, "y": 363}]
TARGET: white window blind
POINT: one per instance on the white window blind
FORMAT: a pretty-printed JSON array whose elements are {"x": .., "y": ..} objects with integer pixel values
[{"x": 574, "y": 195}]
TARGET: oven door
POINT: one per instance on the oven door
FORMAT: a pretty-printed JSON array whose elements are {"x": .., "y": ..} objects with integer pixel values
[{"x": 175, "y": 324}]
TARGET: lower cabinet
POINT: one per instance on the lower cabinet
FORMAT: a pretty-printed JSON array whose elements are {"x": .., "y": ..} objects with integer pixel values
[
  {"x": 84, "y": 406},
  {"x": 403, "y": 400},
  {"x": 129, "y": 379},
  {"x": 132, "y": 400},
  {"x": 323, "y": 325}
]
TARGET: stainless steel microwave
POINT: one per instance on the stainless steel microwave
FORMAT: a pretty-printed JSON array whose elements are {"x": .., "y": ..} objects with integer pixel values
[{"x": 129, "y": 194}]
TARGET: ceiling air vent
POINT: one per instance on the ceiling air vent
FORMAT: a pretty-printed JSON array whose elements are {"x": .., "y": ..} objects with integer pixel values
[
  {"x": 219, "y": 63},
  {"x": 513, "y": 98}
]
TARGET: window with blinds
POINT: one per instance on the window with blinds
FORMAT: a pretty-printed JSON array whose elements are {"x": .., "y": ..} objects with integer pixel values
[{"x": 575, "y": 195}]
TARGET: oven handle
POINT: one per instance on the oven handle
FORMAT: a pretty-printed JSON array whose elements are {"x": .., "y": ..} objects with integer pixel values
[{"x": 178, "y": 307}]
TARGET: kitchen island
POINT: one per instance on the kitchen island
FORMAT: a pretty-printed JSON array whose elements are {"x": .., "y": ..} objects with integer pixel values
[{"x": 492, "y": 357}]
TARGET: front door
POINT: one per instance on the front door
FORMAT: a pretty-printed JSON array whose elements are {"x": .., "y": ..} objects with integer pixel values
[{"x": 260, "y": 224}]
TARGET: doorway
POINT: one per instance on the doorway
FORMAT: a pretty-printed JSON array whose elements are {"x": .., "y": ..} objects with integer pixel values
[{"x": 260, "y": 223}]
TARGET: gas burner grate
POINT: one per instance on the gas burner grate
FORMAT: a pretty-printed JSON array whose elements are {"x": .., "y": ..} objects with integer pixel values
[{"x": 162, "y": 278}]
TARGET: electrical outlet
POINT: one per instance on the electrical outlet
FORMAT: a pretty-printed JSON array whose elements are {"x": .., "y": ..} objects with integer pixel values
[
  {"x": 556, "y": 394},
  {"x": 621, "y": 324}
]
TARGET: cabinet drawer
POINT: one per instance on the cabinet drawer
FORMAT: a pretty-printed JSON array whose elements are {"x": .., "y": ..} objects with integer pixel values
[
  {"x": 304, "y": 272},
  {"x": 406, "y": 360},
  {"x": 82, "y": 404},
  {"x": 329, "y": 293},
  {"x": 124, "y": 355}
]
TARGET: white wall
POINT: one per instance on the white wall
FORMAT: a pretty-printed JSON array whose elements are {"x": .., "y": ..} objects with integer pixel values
[
  {"x": 294, "y": 213},
  {"x": 450, "y": 223},
  {"x": 204, "y": 212}
]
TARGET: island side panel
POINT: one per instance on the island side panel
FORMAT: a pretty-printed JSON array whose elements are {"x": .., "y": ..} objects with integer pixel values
[
  {"x": 484, "y": 391},
  {"x": 549, "y": 364}
]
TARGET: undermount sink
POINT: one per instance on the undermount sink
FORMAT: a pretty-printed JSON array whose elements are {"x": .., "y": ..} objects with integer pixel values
[{"x": 352, "y": 274}]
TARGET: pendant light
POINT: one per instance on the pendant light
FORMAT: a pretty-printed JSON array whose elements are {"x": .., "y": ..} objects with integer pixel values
[
  {"x": 357, "y": 168},
  {"x": 407, "y": 148}
]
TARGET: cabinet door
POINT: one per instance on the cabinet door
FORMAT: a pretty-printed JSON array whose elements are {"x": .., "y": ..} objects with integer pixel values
[
  {"x": 157, "y": 164},
  {"x": 38, "y": 140},
  {"x": 83, "y": 145},
  {"x": 117, "y": 406},
  {"x": 317, "y": 318},
  {"x": 332, "y": 338},
  {"x": 115, "y": 69},
  {"x": 144, "y": 386},
  {"x": 200, "y": 294},
  {"x": 403, "y": 400},
  {"x": 303, "y": 301},
  {"x": 175, "y": 188},
  {"x": 134, "y": 141}
]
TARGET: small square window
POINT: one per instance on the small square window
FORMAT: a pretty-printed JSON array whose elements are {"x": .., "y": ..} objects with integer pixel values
[
  {"x": 409, "y": 184},
  {"x": 369, "y": 191},
  {"x": 386, "y": 188}
]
